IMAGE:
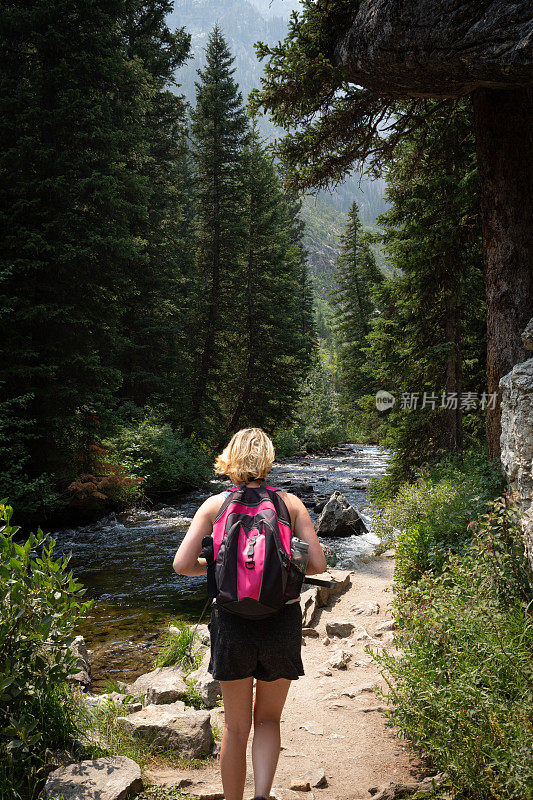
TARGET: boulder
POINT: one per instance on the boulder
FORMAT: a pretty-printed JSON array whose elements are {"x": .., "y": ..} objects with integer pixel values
[
  {"x": 339, "y": 627},
  {"x": 161, "y": 685},
  {"x": 208, "y": 688},
  {"x": 110, "y": 778},
  {"x": 173, "y": 725},
  {"x": 516, "y": 439},
  {"x": 339, "y": 518}
]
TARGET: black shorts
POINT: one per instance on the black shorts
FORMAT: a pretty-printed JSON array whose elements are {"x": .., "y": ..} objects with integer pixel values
[{"x": 266, "y": 649}]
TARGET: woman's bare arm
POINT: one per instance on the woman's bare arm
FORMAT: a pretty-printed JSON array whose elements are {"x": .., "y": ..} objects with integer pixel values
[
  {"x": 186, "y": 560},
  {"x": 304, "y": 529}
]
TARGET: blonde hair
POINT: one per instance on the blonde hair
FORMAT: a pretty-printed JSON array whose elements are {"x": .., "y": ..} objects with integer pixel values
[{"x": 248, "y": 456}]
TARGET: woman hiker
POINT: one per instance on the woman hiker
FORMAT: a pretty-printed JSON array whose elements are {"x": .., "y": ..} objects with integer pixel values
[{"x": 267, "y": 648}]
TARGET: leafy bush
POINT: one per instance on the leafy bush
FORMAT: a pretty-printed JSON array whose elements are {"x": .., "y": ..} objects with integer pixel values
[
  {"x": 41, "y": 604},
  {"x": 108, "y": 485},
  {"x": 428, "y": 520},
  {"x": 462, "y": 689},
  {"x": 167, "y": 461},
  {"x": 286, "y": 442}
]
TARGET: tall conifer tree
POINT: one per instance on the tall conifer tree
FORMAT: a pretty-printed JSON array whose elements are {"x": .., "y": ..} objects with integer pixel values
[
  {"x": 220, "y": 132},
  {"x": 155, "y": 361},
  {"x": 276, "y": 339},
  {"x": 71, "y": 112},
  {"x": 356, "y": 275}
]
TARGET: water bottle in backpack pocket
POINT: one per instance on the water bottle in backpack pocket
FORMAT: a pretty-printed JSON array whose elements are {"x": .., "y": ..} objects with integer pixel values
[{"x": 252, "y": 535}]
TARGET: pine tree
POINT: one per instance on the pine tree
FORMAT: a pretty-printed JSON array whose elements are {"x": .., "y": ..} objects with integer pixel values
[
  {"x": 274, "y": 351},
  {"x": 71, "y": 106},
  {"x": 219, "y": 134},
  {"x": 156, "y": 358},
  {"x": 356, "y": 274},
  {"x": 430, "y": 333}
]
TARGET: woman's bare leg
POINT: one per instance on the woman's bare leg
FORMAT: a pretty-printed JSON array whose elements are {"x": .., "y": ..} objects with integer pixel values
[
  {"x": 237, "y": 696},
  {"x": 270, "y": 698}
]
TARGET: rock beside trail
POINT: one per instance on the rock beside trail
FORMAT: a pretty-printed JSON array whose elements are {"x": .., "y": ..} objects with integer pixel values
[
  {"x": 110, "y": 778},
  {"x": 161, "y": 685},
  {"x": 339, "y": 627},
  {"x": 339, "y": 518},
  {"x": 315, "y": 597},
  {"x": 312, "y": 779},
  {"x": 394, "y": 791},
  {"x": 207, "y": 686},
  {"x": 176, "y": 725},
  {"x": 83, "y": 677}
]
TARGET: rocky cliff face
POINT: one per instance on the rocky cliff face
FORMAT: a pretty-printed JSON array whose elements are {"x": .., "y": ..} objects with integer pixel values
[
  {"x": 516, "y": 439},
  {"x": 438, "y": 48}
]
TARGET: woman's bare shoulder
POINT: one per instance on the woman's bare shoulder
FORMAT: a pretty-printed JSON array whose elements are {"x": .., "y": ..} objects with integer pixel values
[{"x": 292, "y": 501}]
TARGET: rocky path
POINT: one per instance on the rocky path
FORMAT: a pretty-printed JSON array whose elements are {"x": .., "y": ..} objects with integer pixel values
[{"x": 332, "y": 720}]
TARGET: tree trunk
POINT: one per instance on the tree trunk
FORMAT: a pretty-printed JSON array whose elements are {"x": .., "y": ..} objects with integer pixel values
[{"x": 504, "y": 143}]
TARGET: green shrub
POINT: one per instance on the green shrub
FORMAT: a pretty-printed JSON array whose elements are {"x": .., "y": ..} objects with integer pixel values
[
  {"x": 41, "y": 604},
  {"x": 286, "y": 442},
  {"x": 462, "y": 688},
  {"x": 429, "y": 519},
  {"x": 153, "y": 450},
  {"x": 175, "y": 650}
]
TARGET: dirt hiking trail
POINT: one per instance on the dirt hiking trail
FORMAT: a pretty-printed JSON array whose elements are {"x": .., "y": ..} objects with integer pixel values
[{"x": 331, "y": 720}]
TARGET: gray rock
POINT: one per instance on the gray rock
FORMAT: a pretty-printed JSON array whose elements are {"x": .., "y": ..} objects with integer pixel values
[
  {"x": 175, "y": 725},
  {"x": 110, "y": 778},
  {"x": 311, "y": 632},
  {"x": 83, "y": 677},
  {"x": 339, "y": 518},
  {"x": 436, "y": 49},
  {"x": 207, "y": 686},
  {"x": 339, "y": 627},
  {"x": 208, "y": 689},
  {"x": 161, "y": 685},
  {"x": 516, "y": 442}
]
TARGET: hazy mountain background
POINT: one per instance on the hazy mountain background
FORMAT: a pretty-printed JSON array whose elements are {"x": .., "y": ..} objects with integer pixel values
[{"x": 244, "y": 22}]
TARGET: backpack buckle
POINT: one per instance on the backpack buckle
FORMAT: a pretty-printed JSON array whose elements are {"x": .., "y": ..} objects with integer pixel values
[{"x": 250, "y": 564}]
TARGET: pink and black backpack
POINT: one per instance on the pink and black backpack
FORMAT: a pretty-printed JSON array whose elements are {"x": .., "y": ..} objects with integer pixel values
[{"x": 252, "y": 553}]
